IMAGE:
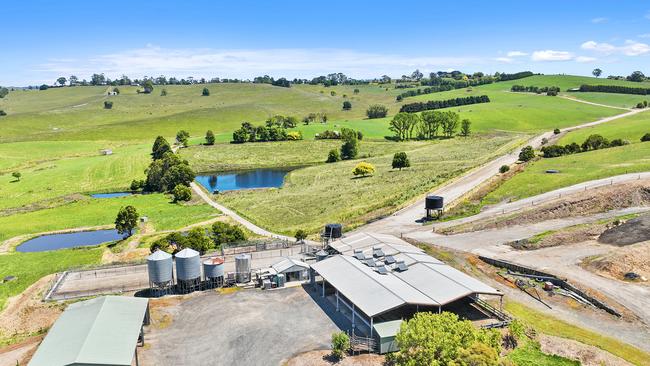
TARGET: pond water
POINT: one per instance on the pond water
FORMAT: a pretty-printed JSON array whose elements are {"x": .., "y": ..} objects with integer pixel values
[
  {"x": 68, "y": 240},
  {"x": 110, "y": 195},
  {"x": 258, "y": 178}
]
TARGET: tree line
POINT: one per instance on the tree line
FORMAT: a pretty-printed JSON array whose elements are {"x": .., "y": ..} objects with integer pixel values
[
  {"x": 274, "y": 129},
  {"x": 549, "y": 90},
  {"x": 429, "y": 125},
  {"x": 199, "y": 239},
  {"x": 593, "y": 142},
  {"x": 439, "y": 104},
  {"x": 613, "y": 89}
]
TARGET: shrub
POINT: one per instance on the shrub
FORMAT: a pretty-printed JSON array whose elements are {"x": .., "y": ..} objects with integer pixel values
[
  {"x": 363, "y": 169},
  {"x": 639, "y": 105},
  {"x": 332, "y": 93},
  {"x": 595, "y": 142},
  {"x": 198, "y": 240},
  {"x": 504, "y": 169},
  {"x": 618, "y": 142},
  {"x": 300, "y": 235},
  {"x": 340, "y": 344},
  {"x": 556, "y": 131},
  {"x": 209, "y": 137},
  {"x": 376, "y": 111},
  {"x": 350, "y": 149},
  {"x": 294, "y": 135},
  {"x": 356, "y": 91},
  {"x": 2, "y": 113},
  {"x": 163, "y": 93},
  {"x": 205, "y": 92},
  {"x": 527, "y": 154},
  {"x": 161, "y": 244},
  {"x": 333, "y": 156},
  {"x": 182, "y": 193},
  {"x": 182, "y": 136},
  {"x": 16, "y": 175},
  {"x": 645, "y": 137},
  {"x": 401, "y": 160},
  {"x": 347, "y": 105},
  {"x": 108, "y": 104},
  {"x": 137, "y": 184},
  {"x": 226, "y": 233},
  {"x": 438, "y": 104}
]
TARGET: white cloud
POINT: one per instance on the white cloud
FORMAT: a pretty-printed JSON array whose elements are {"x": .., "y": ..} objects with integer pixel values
[
  {"x": 516, "y": 54},
  {"x": 585, "y": 59},
  {"x": 645, "y": 35},
  {"x": 505, "y": 60},
  {"x": 629, "y": 48},
  {"x": 246, "y": 63},
  {"x": 599, "y": 20},
  {"x": 551, "y": 55}
]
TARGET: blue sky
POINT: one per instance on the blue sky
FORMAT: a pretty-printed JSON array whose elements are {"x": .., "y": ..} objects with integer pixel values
[{"x": 46, "y": 39}]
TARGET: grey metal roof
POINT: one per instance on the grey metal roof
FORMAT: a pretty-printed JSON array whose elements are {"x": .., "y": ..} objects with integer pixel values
[
  {"x": 101, "y": 331},
  {"x": 426, "y": 281},
  {"x": 187, "y": 253},
  {"x": 387, "y": 329},
  {"x": 158, "y": 255},
  {"x": 287, "y": 264}
]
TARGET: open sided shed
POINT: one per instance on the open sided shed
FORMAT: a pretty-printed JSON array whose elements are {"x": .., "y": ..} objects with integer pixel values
[
  {"x": 101, "y": 331},
  {"x": 381, "y": 279},
  {"x": 293, "y": 269}
]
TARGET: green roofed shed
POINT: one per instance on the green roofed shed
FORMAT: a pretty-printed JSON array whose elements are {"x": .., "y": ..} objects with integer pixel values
[
  {"x": 101, "y": 331},
  {"x": 385, "y": 335}
]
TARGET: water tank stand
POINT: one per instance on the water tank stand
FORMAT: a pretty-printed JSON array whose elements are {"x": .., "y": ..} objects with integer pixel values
[{"x": 436, "y": 212}]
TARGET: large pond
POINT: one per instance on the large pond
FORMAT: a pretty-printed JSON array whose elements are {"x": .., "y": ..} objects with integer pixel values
[
  {"x": 68, "y": 240},
  {"x": 258, "y": 178}
]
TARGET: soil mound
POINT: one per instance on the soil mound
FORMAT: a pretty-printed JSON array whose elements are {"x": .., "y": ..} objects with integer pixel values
[{"x": 633, "y": 231}]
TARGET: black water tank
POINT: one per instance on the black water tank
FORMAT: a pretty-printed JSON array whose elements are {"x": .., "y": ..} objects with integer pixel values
[
  {"x": 333, "y": 231},
  {"x": 433, "y": 203}
]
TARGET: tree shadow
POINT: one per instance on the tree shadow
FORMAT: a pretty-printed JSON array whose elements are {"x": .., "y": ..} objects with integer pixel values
[{"x": 361, "y": 177}]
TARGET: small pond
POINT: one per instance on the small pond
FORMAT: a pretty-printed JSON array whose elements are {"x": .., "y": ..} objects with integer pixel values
[
  {"x": 110, "y": 195},
  {"x": 258, "y": 178},
  {"x": 68, "y": 240}
]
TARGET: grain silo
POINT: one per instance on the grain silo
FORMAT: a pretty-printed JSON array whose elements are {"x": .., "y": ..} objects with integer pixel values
[
  {"x": 161, "y": 276},
  {"x": 243, "y": 268},
  {"x": 213, "y": 272},
  {"x": 188, "y": 270}
]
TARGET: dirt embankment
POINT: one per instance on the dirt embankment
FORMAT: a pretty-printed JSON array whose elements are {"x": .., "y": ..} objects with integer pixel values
[
  {"x": 615, "y": 264},
  {"x": 586, "y": 354},
  {"x": 632, "y": 231},
  {"x": 580, "y": 204},
  {"x": 571, "y": 235},
  {"x": 321, "y": 358}
]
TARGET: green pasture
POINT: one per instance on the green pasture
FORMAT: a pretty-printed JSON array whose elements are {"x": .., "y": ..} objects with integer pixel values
[
  {"x": 630, "y": 128},
  {"x": 324, "y": 193}
]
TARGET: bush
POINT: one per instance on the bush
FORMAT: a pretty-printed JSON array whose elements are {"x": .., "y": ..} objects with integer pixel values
[
  {"x": 43, "y": 87},
  {"x": 356, "y": 91},
  {"x": 376, "y": 111},
  {"x": 294, "y": 135},
  {"x": 363, "y": 169},
  {"x": 347, "y": 105},
  {"x": 639, "y": 105},
  {"x": 556, "y": 131},
  {"x": 332, "y": 93},
  {"x": 504, "y": 169},
  {"x": 438, "y": 104},
  {"x": 527, "y": 154},
  {"x": 182, "y": 193},
  {"x": 401, "y": 160},
  {"x": 350, "y": 149},
  {"x": 226, "y": 233},
  {"x": 205, "y": 92},
  {"x": 137, "y": 184},
  {"x": 2, "y": 113},
  {"x": 198, "y": 240},
  {"x": 333, "y": 156},
  {"x": 209, "y": 137},
  {"x": 300, "y": 235},
  {"x": 645, "y": 137},
  {"x": 163, "y": 93},
  {"x": 618, "y": 142},
  {"x": 595, "y": 142},
  {"x": 108, "y": 104},
  {"x": 340, "y": 344}
]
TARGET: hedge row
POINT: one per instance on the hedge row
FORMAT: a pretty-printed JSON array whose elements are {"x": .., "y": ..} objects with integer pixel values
[
  {"x": 439, "y": 104},
  {"x": 614, "y": 89}
]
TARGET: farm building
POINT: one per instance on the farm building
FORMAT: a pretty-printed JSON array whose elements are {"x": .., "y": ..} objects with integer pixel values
[
  {"x": 293, "y": 269},
  {"x": 102, "y": 331},
  {"x": 379, "y": 280}
]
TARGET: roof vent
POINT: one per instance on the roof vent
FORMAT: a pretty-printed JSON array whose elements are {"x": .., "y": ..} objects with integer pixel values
[
  {"x": 381, "y": 270},
  {"x": 401, "y": 266},
  {"x": 377, "y": 252},
  {"x": 360, "y": 256},
  {"x": 389, "y": 259},
  {"x": 371, "y": 263}
]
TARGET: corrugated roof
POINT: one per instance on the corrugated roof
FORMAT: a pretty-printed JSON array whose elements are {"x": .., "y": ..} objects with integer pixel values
[
  {"x": 387, "y": 329},
  {"x": 288, "y": 263},
  {"x": 187, "y": 253},
  {"x": 427, "y": 281},
  {"x": 101, "y": 331},
  {"x": 158, "y": 255}
]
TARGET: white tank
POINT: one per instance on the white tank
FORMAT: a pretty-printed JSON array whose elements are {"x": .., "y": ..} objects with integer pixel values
[{"x": 243, "y": 268}]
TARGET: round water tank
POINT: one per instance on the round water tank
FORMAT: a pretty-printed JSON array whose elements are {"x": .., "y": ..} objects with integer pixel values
[
  {"x": 188, "y": 265},
  {"x": 333, "y": 231},
  {"x": 242, "y": 268},
  {"x": 213, "y": 268},
  {"x": 433, "y": 202},
  {"x": 159, "y": 266},
  {"x": 321, "y": 254}
]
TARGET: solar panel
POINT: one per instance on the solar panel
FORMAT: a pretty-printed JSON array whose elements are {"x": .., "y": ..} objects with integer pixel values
[
  {"x": 371, "y": 263},
  {"x": 378, "y": 252},
  {"x": 390, "y": 259}
]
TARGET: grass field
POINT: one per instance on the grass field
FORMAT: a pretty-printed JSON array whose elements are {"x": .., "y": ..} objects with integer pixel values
[
  {"x": 529, "y": 354},
  {"x": 325, "y": 193},
  {"x": 573, "y": 169},
  {"x": 628, "y": 128},
  {"x": 616, "y": 100},
  {"x": 162, "y": 214},
  {"x": 30, "y": 267},
  {"x": 551, "y": 326}
]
